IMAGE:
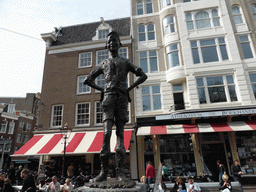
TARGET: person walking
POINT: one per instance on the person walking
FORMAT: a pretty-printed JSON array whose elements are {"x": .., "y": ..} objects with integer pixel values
[
  {"x": 29, "y": 182},
  {"x": 18, "y": 175},
  {"x": 237, "y": 172},
  {"x": 150, "y": 172},
  {"x": 221, "y": 168}
]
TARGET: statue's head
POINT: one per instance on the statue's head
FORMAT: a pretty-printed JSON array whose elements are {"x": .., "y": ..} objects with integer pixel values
[{"x": 113, "y": 41}]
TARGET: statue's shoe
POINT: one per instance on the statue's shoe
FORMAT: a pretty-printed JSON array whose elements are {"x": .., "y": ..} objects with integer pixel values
[{"x": 101, "y": 177}]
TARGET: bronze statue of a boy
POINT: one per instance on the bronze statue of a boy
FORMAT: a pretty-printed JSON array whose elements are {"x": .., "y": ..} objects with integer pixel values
[{"x": 114, "y": 98}]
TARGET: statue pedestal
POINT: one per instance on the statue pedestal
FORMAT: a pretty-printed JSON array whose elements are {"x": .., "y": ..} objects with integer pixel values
[{"x": 139, "y": 187}]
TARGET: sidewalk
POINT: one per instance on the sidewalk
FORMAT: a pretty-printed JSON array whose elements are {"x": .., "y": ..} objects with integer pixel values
[{"x": 249, "y": 188}]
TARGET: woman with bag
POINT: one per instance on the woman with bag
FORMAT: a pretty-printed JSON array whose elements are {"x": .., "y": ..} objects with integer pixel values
[{"x": 179, "y": 185}]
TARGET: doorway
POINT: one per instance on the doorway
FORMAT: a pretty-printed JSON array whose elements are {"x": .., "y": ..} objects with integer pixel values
[{"x": 211, "y": 153}]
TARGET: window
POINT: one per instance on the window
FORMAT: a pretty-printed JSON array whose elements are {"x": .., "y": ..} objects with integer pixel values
[
  {"x": 82, "y": 113},
  {"x": 139, "y": 8},
  {"x": 57, "y": 115},
  {"x": 28, "y": 126},
  {"x": 151, "y": 98},
  {"x": 209, "y": 50},
  {"x": 147, "y": 9},
  {"x": 81, "y": 88},
  {"x": 19, "y": 138},
  {"x": 3, "y": 126},
  {"x": 189, "y": 21},
  {"x": 98, "y": 113},
  {"x": 253, "y": 7},
  {"x": 25, "y": 139},
  {"x": 202, "y": 19},
  {"x": 24, "y": 128},
  {"x": 178, "y": 97},
  {"x": 146, "y": 32},
  {"x": 85, "y": 60},
  {"x": 123, "y": 52},
  {"x": 166, "y": 3},
  {"x": 148, "y": 61},
  {"x": 103, "y": 34},
  {"x": 11, "y": 127},
  {"x": 172, "y": 52},
  {"x": 237, "y": 16},
  {"x": 21, "y": 124},
  {"x": 168, "y": 23},
  {"x": 245, "y": 45},
  {"x": 102, "y": 55},
  {"x": 215, "y": 18},
  {"x": 216, "y": 89},
  {"x": 253, "y": 82}
]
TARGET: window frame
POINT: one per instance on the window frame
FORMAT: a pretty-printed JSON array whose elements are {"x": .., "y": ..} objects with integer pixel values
[
  {"x": 240, "y": 15},
  {"x": 52, "y": 115},
  {"x": 103, "y": 36},
  {"x": 211, "y": 19},
  {"x": 246, "y": 42},
  {"x": 26, "y": 138},
  {"x": 19, "y": 136},
  {"x": 98, "y": 112},
  {"x": 11, "y": 128},
  {"x": 137, "y": 9},
  {"x": 5, "y": 128},
  {"x": 143, "y": 7},
  {"x": 217, "y": 45},
  {"x": 168, "y": 25},
  {"x": 151, "y": 94},
  {"x": 80, "y": 58},
  {"x": 169, "y": 66},
  {"x": 148, "y": 57},
  {"x": 83, "y": 86},
  {"x": 146, "y": 32},
  {"x": 225, "y": 84},
  {"x": 76, "y": 114}
]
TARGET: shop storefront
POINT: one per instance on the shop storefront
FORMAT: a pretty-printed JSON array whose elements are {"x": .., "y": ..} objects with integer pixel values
[
  {"x": 82, "y": 150},
  {"x": 195, "y": 149}
]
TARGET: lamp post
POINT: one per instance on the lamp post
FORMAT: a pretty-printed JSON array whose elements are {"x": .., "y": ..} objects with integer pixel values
[{"x": 65, "y": 134}]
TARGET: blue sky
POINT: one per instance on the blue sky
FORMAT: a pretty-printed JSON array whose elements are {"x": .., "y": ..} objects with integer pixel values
[{"x": 22, "y": 50}]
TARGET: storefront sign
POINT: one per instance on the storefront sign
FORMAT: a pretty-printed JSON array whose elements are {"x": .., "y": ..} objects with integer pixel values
[{"x": 206, "y": 114}]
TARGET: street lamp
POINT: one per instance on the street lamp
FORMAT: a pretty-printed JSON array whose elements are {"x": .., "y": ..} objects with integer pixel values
[{"x": 65, "y": 134}]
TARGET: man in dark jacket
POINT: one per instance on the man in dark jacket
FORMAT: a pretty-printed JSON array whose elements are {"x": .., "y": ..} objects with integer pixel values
[
  {"x": 29, "y": 181},
  {"x": 237, "y": 172},
  {"x": 18, "y": 175}
]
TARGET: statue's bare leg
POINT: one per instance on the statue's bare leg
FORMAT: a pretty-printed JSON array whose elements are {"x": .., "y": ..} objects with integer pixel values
[{"x": 105, "y": 151}]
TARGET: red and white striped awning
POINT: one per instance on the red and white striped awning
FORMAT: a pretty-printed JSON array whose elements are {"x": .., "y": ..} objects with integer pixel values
[
  {"x": 78, "y": 143},
  {"x": 199, "y": 128}
]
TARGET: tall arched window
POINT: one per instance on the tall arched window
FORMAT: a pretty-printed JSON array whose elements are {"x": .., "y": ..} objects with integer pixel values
[
  {"x": 168, "y": 23},
  {"x": 215, "y": 16},
  {"x": 202, "y": 20},
  {"x": 151, "y": 31},
  {"x": 237, "y": 15},
  {"x": 142, "y": 34},
  {"x": 189, "y": 21},
  {"x": 149, "y": 8},
  {"x": 166, "y": 3},
  {"x": 139, "y": 8},
  {"x": 253, "y": 7}
]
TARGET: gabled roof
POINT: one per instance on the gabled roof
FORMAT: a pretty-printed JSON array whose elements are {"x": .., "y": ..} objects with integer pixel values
[
  {"x": 21, "y": 103},
  {"x": 85, "y": 32}
]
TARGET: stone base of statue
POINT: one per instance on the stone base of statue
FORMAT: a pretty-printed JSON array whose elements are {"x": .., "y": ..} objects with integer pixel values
[{"x": 112, "y": 185}]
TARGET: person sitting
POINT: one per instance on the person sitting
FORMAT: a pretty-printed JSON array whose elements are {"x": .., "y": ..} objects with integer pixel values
[
  {"x": 54, "y": 186},
  {"x": 29, "y": 182},
  {"x": 225, "y": 185},
  {"x": 42, "y": 186},
  {"x": 192, "y": 186},
  {"x": 67, "y": 186},
  {"x": 179, "y": 185},
  {"x": 143, "y": 179},
  {"x": 7, "y": 186}
]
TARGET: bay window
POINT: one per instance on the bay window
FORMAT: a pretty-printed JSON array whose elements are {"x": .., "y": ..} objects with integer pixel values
[
  {"x": 216, "y": 89},
  {"x": 172, "y": 52},
  {"x": 168, "y": 24},
  {"x": 165, "y": 3}
]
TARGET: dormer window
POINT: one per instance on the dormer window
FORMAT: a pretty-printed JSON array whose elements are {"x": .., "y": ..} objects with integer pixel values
[{"x": 103, "y": 33}]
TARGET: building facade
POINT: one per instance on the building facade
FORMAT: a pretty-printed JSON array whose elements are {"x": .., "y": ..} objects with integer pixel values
[
  {"x": 198, "y": 103},
  {"x": 18, "y": 121},
  {"x": 71, "y": 54}
]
